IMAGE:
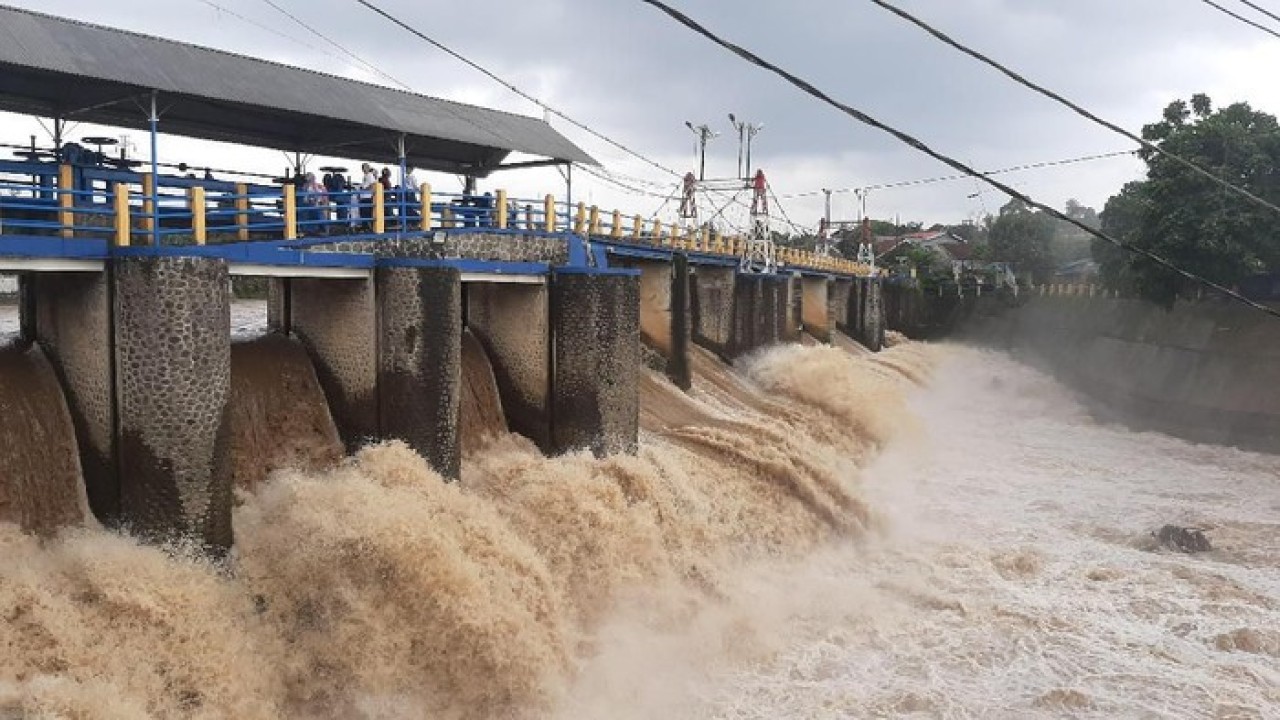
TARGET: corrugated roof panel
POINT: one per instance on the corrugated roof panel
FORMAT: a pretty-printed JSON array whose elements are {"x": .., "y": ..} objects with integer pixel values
[{"x": 57, "y": 45}]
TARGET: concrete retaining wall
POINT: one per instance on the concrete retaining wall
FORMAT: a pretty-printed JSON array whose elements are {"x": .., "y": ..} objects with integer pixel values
[
  {"x": 508, "y": 247},
  {"x": 336, "y": 320},
  {"x": 73, "y": 325},
  {"x": 816, "y": 307},
  {"x": 665, "y": 312},
  {"x": 1207, "y": 371},
  {"x": 513, "y": 324}
]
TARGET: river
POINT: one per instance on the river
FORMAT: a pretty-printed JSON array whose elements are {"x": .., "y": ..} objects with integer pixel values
[
  {"x": 932, "y": 532},
  {"x": 1014, "y": 575}
]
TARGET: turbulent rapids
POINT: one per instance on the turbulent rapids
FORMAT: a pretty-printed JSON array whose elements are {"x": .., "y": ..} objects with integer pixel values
[
  {"x": 929, "y": 531},
  {"x": 368, "y": 587}
]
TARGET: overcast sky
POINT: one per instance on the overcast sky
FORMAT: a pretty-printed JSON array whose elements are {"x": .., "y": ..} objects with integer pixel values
[{"x": 633, "y": 74}]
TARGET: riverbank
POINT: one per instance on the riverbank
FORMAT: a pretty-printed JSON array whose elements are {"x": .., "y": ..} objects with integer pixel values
[{"x": 1207, "y": 371}]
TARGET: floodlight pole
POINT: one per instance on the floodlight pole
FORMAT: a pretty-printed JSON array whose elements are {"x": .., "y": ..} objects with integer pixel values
[
  {"x": 741, "y": 127},
  {"x": 704, "y": 134},
  {"x": 752, "y": 131}
]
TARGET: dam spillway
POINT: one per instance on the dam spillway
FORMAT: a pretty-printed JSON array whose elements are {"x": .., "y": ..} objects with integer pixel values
[{"x": 169, "y": 416}]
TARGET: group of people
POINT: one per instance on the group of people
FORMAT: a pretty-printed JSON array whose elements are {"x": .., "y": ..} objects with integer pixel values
[{"x": 335, "y": 199}]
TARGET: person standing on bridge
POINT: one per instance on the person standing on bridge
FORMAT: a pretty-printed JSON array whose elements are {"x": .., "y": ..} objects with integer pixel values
[{"x": 367, "y": 183}]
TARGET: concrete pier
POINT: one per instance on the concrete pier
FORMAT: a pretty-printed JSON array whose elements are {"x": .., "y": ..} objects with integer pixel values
[
  {"x": 172, "y": 333},
  {"x": 419, "y": 361},
  {"x": 596, "y": 329},
  {"x": 712, "y": 308},
  {"x": 839, "y": 303}
]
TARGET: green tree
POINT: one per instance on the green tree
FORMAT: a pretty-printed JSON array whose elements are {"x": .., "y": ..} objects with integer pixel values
[
  {"x": 1021, "y": 235},
  {"x": 1188, "y": 219}
]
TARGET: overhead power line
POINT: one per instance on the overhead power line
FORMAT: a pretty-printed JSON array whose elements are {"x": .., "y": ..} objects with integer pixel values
[
  {"x": 1262, "y": 10},
  {"x": 359, "y": 60},
  {"x": 911, "y": 141},
  {"x": 266, "y": 28},
  {"x": 475, "y": 66},
  {"x": 1243, "y": 19},
  {"x": 949, "y": 178},
  {"x": 938, "y": 34}
]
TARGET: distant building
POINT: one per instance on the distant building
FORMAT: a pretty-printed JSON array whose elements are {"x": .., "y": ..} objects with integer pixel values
[
  {"x": 949, "y": 247},
  {"x": 1080, "y": 272}
]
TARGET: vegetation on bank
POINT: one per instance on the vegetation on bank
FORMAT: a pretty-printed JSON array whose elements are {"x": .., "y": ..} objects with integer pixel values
[{"x": 1187, "y": 218}]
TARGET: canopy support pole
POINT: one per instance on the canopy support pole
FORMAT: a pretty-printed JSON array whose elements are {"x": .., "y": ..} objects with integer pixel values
[
  {"x": 155, "y": 170},
  {"x": 403, "y": 208}
]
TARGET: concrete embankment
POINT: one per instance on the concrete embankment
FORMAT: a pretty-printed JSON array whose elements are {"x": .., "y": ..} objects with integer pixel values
[{"x": 1207, "y": 371}]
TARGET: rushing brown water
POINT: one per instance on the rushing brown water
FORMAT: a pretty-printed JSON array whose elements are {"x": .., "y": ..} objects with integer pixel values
[
  {"x": 374, "y": 589},
  {"x": 37, "y": 441},
  {"x": 810, "y": 535},
  {"x": 279, "y": 418}
]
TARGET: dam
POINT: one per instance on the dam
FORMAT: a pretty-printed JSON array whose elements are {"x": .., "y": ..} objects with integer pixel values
[
  {"x": 426, "y": 454},
  {"x": 124, "y": 296}
]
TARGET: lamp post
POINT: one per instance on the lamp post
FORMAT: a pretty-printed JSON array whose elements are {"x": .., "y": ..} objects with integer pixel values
[{"x": 704, "y": 134}]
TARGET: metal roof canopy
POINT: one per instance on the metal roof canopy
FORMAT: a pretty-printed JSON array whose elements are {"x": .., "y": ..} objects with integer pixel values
[{"x": 60, "y": 68}]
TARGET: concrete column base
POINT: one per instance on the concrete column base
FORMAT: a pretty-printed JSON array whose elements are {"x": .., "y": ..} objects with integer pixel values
[
  {"x": 711, "y": 306},
  {"x": 420, "y": 361},
  {"x": 596, "y": 335},
  {"x": 173, "y": 385}
]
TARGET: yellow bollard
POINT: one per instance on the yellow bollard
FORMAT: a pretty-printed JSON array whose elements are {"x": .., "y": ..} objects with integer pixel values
[
  {"x": 148, "y": 205},
  {"x": 501, "y": 200},
  {"x": 379, "y": 211},
  {"x": 657, "y": 232},
  {"x": 196, "y": 203},
  {"x": 242, "y": 212},
  {"x": 446, "y": 218},
  {"x": 549, "y": 213},
  {"x": 595, "y": 221},
  {"x": 121, "y": 208},
  {"x": 66, "y": 201},
  {"x": 580, "y": 219},
  {"x": 424, "y": 197},
  {"x": 616, "y": 231},
  {"x": 637, "y": 228},
  {"x": 291, "y": 211}
]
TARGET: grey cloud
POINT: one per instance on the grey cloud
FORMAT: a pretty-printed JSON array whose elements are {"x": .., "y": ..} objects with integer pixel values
[{"x": 631, "y": 73}]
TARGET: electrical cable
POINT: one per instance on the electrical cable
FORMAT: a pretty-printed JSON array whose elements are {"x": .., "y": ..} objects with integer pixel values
[
  {"x": 950, "y": 178},
  {"x": 475, "y": 66},
  {"x": 1242, "y": 18},
  {"x": 1262, "y": 10},
  {"x": 367, "y": 65},
  {"x": 629, "y": 188},
  {"x": 913, "y": 142},
  {"x": 1151, "y": 147},
  {"x": 785, "y": 218},
  {"x": 266, "y": 28}
]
